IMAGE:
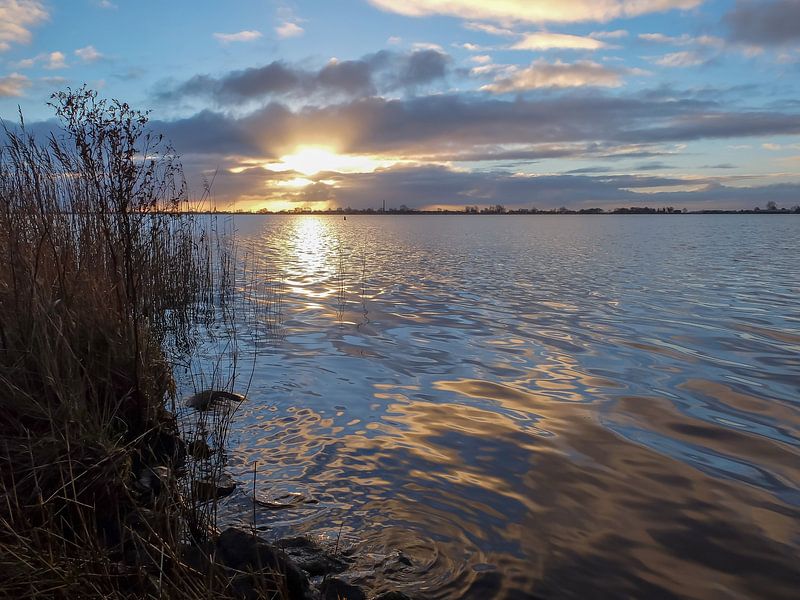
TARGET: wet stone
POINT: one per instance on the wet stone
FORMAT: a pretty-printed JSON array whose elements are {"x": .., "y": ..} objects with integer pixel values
[
  {"x": 212, "y": 399},
  {"x": 312, "y": 558},
  {"x": 244, "y": 552},
  {"x": 393, "y": 595},
  {"x": 337, "y": 589},
  {"x": 210, "y": 488}
]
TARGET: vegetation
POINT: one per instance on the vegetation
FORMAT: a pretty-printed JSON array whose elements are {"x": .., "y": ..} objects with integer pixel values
[
  {"x": 104, "y": 278},
  {"x": 499, "y": 209}
]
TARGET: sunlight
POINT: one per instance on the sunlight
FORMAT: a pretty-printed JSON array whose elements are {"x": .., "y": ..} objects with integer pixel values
[
  {"x": 310, "y": 160},
  {"x": 297, "y": 182}
]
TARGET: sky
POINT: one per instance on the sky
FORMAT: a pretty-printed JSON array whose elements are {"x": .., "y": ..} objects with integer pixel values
[{"x": 437, "y": 103}]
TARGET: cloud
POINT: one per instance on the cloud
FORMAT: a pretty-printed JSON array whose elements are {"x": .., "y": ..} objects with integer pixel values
[
  {"x": 289, "y": 29},
  {"x": 549, "y": 41},
  {"x": 13, "y": 85},
  {"x": 48, "y": 60},
  {"x": 383, "y": 70},
  {"x": 683, "y": 40},
  {"x": 488, "y": 28},
  {"x": 681, "y": 59},
  {"x": 16, "y": 19},
  {"x": 239, "y": 36},
  {"x": 479, "y": 127},
  {"x": 614, "y": 35},
  {"x": 88, "y": 54},
  {"x": 764, "y": 22},
  {"x": 422, "y": 185},
  {"x": 701, "y": 49},
  {"x": 541, "y": 74},
  {"x": 653, "y": 166},
  {"x": 55, "y": 60},
  {"x": 533, "y": 11}
]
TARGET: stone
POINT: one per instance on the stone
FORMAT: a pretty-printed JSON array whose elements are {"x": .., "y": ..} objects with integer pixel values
[
  {"x": 337, "y": 589},
  {"x": 393, "y": 595},
  {"x": 245, "y": 552},
  {"x": 212, "y": 488},
  {"x": 209, "y": 399},
  {"x": 311, "y": 558}
]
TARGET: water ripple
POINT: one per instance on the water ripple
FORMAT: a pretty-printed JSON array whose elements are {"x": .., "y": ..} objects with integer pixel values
[{"x": 521, "y": 407}]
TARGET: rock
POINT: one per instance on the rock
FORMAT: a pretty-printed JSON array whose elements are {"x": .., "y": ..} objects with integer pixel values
[
  {"x": 311, "y": 558},
  {"x": 245, "y": 552},
  {"x": 403, "y": 559},
  {"x": 210, "y": 399},
  {"x": 393, "y": 595},
  {"x": 337, "y": 589},
  {"x": 213, "y": 488}
]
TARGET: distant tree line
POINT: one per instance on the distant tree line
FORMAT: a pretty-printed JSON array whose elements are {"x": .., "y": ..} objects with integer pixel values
[{"x": 499, "y": 209}]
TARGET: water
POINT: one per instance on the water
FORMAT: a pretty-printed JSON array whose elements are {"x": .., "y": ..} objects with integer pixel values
[{"x": 515, "y": 407}]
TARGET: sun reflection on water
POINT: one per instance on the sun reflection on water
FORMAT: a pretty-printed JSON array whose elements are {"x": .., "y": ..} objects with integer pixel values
[{"x": 308, "y": 256}]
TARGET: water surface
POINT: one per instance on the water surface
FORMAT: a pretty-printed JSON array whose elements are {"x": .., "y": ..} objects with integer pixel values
[{"x": 533, "y": 406}]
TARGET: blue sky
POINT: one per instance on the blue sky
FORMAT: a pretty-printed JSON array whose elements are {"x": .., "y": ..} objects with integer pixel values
[{"x": 578, "y": 103}]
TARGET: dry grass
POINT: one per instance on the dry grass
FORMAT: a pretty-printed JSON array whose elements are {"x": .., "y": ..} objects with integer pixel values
[{"x": 102, "y": 282}]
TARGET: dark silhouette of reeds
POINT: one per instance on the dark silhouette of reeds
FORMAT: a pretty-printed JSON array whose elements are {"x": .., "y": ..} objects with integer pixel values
[{"x": 103, "y": 284}]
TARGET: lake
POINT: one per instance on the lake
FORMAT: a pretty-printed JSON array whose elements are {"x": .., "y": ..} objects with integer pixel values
[{"x": 531, "y": 406}]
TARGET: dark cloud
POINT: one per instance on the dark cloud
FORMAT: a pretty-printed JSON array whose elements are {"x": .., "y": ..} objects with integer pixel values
[
  {"x": 420, "y": 186},
  {"x": 381, "y": 71},
  {"x": 589, "y": 170},
  {"x": 765, "y": 22},
  {"x": 476, "y": 127},
  {"x": 652, "y": 166}
]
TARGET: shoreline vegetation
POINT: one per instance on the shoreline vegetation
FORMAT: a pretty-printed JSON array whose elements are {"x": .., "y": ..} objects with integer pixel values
[
  {"x": 106, "y": 284},
  {"x": 501, "y": 210}
]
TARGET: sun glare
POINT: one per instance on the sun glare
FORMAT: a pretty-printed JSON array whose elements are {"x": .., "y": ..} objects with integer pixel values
[{"x": 310, "y": 160}]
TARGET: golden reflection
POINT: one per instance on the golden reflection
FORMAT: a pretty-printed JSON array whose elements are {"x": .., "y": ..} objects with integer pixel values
[{"x": 309, "y": 242}]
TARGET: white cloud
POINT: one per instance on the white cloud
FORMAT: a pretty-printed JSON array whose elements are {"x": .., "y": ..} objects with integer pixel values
[
  {"x": 490, "y": 29},
  {"x": 686, "y": 58},
  {"x": 289, "y": 29},
  {"x": 48, "y": 60},
  {"x": 13, "y": 85},
  {"x": 542, "y": 40},
  {"x": 239, "y": 36},
  {"x": 16, "y": 19},
  {"x": 394, "y": 40},
  {"x": 88, "y": 54},
  {"x": 427, "y": 46},
  {"x": 481, "y": 59},
  {"x": 533, "y": 11},
  {"x": 542, "y": 74},
  {"x": 616, "y": 34},
  {"x": 683, "y": 40},
  {"x": 55, "y": 60},
  {"x": 106, "y": 4}
]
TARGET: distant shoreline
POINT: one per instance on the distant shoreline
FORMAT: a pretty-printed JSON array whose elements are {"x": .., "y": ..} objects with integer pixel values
[{"x": 582, "y": 212}]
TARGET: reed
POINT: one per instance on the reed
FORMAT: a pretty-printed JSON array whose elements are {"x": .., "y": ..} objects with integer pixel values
[{"x": 104, "y": 282}]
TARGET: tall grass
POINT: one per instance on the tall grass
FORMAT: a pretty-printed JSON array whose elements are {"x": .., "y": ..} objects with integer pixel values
[{"x": 102, "y": 282}]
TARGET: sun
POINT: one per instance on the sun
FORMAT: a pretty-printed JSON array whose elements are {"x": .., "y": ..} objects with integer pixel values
[{"x": 310, "y": 160}]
